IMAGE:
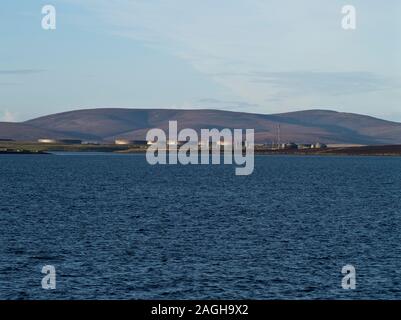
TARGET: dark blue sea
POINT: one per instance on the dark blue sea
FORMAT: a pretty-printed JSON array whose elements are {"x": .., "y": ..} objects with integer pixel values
[{"x": 115, "y": 227}]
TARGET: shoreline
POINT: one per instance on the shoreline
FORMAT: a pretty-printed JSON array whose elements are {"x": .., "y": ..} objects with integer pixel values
[
  {"x": 43, "y": 149},
  {"x": 26, "y": 152}
]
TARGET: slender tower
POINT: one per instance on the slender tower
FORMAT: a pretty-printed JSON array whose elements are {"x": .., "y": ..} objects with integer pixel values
[{"x": 278, "y": 136}]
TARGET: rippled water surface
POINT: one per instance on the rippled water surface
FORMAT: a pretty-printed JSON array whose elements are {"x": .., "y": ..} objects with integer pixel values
[{"x": 117, "y": 228}]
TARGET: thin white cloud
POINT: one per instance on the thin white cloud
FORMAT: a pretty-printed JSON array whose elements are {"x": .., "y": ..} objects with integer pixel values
[
  {"x": 19, "y": 71},
  {"x": 9, "y": 116},
  {"x": 229, "y": 39}
]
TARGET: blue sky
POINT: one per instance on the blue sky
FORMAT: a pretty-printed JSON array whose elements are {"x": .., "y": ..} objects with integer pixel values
[{"x": 263, "y": 56}]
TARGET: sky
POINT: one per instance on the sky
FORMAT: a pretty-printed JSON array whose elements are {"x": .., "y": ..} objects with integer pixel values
[{"x": 261, "y": 56}]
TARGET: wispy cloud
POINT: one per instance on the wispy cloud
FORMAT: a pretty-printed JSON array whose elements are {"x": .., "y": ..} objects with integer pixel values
[
  {"x": 6, "y": 84},
  {"x": 9, "y": 116},
  {"x": 227, "y": 104},
  {"x": 229, "y": 39},
  {"x": 20, "y": 71},
  {"x": 329, "y": 83}
]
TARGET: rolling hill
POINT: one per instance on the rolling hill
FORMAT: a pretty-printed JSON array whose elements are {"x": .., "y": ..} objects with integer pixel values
[
  {"x": 26, "y": 132},
  {"x": 302, "y": 127}
]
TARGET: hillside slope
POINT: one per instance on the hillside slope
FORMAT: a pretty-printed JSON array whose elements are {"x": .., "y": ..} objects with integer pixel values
[{"x": 303, "y": 126}]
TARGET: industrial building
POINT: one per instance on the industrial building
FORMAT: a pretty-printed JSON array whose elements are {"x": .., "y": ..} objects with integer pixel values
[
  {"x": 305, "y": 146},
  {"x": 60, "y": 141},
  {"x": 290, "y": 145},
  {"x": 299, "y": 146},
  {"x": 319, "y": 145},
  {"x": 130, "y": 142}
]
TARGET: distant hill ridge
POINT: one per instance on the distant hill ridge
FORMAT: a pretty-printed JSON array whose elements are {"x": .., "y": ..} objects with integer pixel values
[{"x": 107, "y": 124}]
